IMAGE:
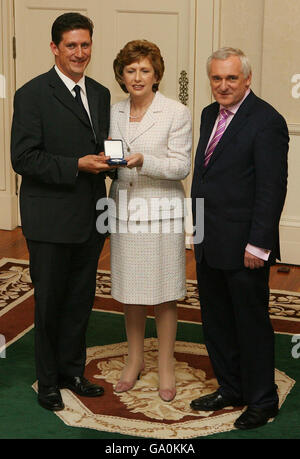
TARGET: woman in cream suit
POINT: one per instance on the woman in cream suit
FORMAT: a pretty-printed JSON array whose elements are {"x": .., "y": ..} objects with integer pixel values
[{"x": 147, "y": 240}]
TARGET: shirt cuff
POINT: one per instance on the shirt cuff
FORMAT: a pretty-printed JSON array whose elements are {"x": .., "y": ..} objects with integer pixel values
[{"x": 258, "y": 252}]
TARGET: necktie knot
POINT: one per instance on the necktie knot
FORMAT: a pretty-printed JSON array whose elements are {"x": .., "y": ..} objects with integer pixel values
[
  {"x": 224, "y": 113},
  {"x": 77, "y": 90}
]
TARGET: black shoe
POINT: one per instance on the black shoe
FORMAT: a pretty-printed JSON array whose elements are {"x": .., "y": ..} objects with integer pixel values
[
  {"x": 49, "y": 397},
  {"x": 255, "y": 417},
  {"x": 81, "y": 386},
  {"x": 213, "y": 402}
]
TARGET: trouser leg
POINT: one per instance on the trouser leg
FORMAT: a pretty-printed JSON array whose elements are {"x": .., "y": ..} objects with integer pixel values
[
  {"x": 79, "y": 300},
  {"x": 64, "y": 278},
  {"x": 238, "y": 332},
  {"x": 250, "y": 298},
  {"x": 49, "y": 273},
  {"x": 219, "y": 329}
]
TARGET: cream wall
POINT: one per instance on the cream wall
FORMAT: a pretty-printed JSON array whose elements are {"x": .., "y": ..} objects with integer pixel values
[
  {"x": 241, "y": 26},
  {"x": 8, "y": 197},
  {"x": 281, "y": 56},
  {"x": 268, "y": 32},
  {"x": 281, "y": 52}
]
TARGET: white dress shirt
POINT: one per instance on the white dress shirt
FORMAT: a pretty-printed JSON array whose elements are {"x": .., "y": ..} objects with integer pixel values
[{"x": 71, "y": 85}]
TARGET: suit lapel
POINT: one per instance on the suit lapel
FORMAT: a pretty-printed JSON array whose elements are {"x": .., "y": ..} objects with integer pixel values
[
  {"x": 238, "y": 121},
  {"x": 151, "y": 115},
  {"x": 147, "y": 122},
  {"x": 61, "y": 92},
  {"x": 93, "y": 101},
  {"x": 206, "y": 130},
  {"x": 123, "y": 120}
]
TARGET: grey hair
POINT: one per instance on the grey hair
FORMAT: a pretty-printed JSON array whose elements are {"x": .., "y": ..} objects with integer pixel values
[{"x": 225, "y": 53}]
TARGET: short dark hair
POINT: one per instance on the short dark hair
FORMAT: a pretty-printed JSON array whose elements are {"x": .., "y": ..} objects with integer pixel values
[
  {"x": 134, "y": 51},
  {"x": 70, "y": 21}
]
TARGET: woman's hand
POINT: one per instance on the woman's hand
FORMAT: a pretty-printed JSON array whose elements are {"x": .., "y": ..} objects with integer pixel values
[{"x": 135, "y": 160}]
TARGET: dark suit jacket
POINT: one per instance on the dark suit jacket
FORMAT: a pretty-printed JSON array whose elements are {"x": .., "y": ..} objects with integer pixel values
[
  {"x": 49, "y": 135},
  {"x": 243, "y": 185}
]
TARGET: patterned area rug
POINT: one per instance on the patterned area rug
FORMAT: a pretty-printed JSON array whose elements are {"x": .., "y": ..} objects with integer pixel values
[
  {"x": 284, "y": 306},
  {"x": 140, "y": 412}
]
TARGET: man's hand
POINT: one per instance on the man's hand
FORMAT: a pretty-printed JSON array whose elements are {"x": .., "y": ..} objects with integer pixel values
[
  {"x": 94, "y": 164},
  {"x": 252, "y": 262}
]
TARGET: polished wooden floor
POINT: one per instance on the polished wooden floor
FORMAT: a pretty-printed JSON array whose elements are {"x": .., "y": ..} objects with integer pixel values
[{"x": 13, "y": 245}]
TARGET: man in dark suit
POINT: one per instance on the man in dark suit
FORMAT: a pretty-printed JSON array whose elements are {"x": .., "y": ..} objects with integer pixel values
[
  {"x": 241, "y": 174},
  {"x": 59, "y": 123}
]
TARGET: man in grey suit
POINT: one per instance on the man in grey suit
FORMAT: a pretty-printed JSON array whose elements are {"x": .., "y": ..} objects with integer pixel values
[
  {"x": 241, "y": 173},
  {"x": 60, "y": 121}
]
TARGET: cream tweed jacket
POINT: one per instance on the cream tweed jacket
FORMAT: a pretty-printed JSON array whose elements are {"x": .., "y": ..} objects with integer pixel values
[{"x": 164, "y": 137}]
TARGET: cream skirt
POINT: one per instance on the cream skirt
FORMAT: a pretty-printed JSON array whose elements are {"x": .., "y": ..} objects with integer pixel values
[{"x": 148, "y": 268}]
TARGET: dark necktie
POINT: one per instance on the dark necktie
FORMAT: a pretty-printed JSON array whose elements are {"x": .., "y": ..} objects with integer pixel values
[{"x": 80, "y": 103}]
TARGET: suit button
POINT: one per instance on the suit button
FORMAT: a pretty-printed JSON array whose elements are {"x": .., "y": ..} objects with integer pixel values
[
  {"x": 128, "y": 149},
  {"x": 130, "y": 183}
]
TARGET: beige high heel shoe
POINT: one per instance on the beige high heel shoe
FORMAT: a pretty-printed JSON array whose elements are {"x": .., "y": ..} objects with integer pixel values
[
  {"x": 125, "y": 386},
  {"x": 167, "y": 395}
]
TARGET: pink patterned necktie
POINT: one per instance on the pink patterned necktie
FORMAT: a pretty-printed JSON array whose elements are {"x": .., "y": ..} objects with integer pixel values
[{"x": 218, "y": 134}]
